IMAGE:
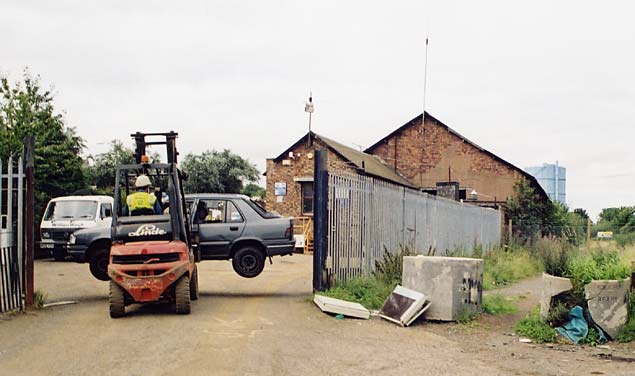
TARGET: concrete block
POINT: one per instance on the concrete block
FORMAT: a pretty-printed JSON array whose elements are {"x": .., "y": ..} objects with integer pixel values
[
  {"x": 551, "y": 286},
  {"x": 452, "y": 284},
  {"x": 337, "y": 306},
  {"x": 608, "y": 304}
]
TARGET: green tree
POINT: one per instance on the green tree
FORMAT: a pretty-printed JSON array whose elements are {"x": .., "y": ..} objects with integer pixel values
[
  {"x": 253, "y": 190},
  {"x": 101, "y": 173},
  {"x": 582, "y": 213},
  {"x": 26, "y": 109},
  {"x": 218, "y": 172},
  {"x": 566, "y": 224},
  {"x": 530, "y": 215},
  {"x": 618, "y": 220}
]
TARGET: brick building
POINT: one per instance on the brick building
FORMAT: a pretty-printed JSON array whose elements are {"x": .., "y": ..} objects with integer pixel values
[
  {"x": 290, "y": 174},
  {"x": 430, "y": 156}
]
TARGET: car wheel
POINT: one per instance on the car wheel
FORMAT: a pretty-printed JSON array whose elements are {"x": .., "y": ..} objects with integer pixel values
[
  {"x": 248, "y": 262},
  {"x": 99, "y": 264},
  {"x": 182, "y": 294},
  {"x": 117, "y": 301},
  {"x": 194, "y": 284}
]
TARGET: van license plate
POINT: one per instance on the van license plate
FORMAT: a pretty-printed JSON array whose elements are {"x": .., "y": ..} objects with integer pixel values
[{"x": 45, "y": 245}]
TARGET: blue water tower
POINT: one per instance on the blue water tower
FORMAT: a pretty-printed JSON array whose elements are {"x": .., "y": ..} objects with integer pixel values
[{"x": 553, "y": 179}]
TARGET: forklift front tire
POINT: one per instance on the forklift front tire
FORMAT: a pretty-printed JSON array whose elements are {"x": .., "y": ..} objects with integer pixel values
[
  {"x": 182, "y": 294},
  {"x": 194, "y": 284},
  {"x": 117, "y": 301}
]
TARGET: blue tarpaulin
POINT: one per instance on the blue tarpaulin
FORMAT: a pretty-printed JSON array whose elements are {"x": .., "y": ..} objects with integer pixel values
[{"x": 577, "y": 328}]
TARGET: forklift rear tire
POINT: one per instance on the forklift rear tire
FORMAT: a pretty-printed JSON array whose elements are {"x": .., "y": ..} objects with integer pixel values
[
  {"x": 99, "y": 264},
  {"x": 117, "y": 300},
  {"x": 194, "y": 284},
  {"x": 248, "y": 261},
  {"x": 182, "y": 294}
]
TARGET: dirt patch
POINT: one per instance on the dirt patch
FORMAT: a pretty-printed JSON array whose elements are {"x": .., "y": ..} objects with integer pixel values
[{"x": 266, "y": 326}]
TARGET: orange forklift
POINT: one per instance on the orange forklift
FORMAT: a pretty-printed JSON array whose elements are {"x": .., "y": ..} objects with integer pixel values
[{"x": 151, "y": 258}]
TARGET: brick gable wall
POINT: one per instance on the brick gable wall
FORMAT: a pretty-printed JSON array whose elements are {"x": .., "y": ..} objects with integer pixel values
[
  {"x": 428, "y": 156},
  {"x": 301, "y": 167}
]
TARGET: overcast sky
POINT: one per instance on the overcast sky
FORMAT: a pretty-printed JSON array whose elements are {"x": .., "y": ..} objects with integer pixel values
[{"x": 532, "y": 82}]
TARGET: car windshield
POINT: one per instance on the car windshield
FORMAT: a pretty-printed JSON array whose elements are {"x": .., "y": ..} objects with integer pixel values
[{"x": 67, "y": 210}]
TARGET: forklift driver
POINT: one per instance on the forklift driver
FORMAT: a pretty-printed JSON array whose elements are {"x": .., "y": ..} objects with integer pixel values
[{"x": 142, "y": 202}]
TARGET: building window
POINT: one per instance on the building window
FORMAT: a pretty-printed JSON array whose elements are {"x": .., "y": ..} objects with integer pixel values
[{"x": 307, "y": 198}]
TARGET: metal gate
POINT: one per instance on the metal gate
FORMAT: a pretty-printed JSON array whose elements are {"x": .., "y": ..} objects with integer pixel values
[{"x": 11, "y": 235}]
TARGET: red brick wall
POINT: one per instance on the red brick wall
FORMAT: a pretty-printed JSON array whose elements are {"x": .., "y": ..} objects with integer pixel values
[
  {"x": 301, "y": 167},
  {"x": 424, "y": 156}
]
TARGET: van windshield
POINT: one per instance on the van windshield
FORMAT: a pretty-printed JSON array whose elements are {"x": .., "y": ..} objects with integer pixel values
[{"x": 67, "y": 210}]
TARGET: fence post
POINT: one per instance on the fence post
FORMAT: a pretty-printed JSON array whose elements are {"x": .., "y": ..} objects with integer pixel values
[
  {"x": 320, "y": 218},
  {"x": 588, "y": 234},
  {"x": 29, "y": 228}
]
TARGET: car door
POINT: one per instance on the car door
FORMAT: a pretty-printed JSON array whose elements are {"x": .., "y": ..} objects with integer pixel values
[
  {"x": 105, "y": 214},
  {"x": 221, "y": 226}
]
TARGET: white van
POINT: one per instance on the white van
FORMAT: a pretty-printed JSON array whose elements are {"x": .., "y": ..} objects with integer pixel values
[{"x": 65, "y": 215}]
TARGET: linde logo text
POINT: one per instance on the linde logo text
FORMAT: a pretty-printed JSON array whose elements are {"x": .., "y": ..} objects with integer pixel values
[{"x": 147, "y": 230}]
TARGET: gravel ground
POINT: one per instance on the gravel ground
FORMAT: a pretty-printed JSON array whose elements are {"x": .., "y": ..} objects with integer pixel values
[{"x": 267, "y": 326}]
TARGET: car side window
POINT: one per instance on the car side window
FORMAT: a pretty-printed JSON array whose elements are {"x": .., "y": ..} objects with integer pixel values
[
  {"x": 233, "y": 215},
  {"x": 215, "y": 211}
]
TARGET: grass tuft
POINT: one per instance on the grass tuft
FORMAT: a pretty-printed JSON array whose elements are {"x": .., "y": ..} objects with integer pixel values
[
  {"x": 533, "y": 327},
  {"x": 504, "y": 266},
  {"x": 498, "y": 304},
  {"x": 466, "y": 316},
  {"x": 367, "y": 291},
  {"x": 628, "y": 331},
  {"x": 39, "y": 299}
]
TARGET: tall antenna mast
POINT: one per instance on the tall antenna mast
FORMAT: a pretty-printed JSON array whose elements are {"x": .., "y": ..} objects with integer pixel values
[
  {"x": 425, "y": 80},
  {"x": 308, "y": 107},
  {"x": 423, "y": 115}
]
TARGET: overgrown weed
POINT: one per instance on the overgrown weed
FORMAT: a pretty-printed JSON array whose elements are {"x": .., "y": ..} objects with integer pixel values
[{"x": 533, "y": 327}]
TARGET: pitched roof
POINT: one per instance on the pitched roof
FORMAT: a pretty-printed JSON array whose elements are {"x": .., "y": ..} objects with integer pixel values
[
  {"x": 532, "y": 180},
  {"x": 366, "y": 163}
]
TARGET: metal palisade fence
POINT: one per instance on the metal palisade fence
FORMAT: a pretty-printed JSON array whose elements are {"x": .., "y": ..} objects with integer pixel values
[
  {"x": 11, "y": 235},
  {"x": 367, "y": 216}
]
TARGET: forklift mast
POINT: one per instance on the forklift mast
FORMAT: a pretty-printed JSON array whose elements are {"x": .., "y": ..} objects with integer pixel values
[{"x": 170, "y": 144}]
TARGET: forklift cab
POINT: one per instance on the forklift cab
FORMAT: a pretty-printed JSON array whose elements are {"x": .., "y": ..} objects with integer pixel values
[
  {"x": 170, "y": 220},
  {"x": 151, "y": 257}
]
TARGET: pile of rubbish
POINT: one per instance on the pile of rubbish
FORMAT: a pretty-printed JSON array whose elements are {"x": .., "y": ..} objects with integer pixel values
[{"x": 440, "y": 287}]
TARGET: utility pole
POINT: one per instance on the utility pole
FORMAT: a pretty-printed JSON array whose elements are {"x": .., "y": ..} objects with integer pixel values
[{"x": 29, "y": 151}]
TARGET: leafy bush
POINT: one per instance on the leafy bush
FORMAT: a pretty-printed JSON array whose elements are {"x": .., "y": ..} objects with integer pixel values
[
  {"x": 497, "y": 304},
  {"x": 389, "y": 269},
  {"x": 507, "y": 265},
  {"x": 555, "y": 255},
  {"x": 624, "y": 240},
  {"x": 533, "y": 327},
  {"x": 597, "y": 265},
  {"x": 369, "y": 292},
  {"x": 558, "y": 314}
]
